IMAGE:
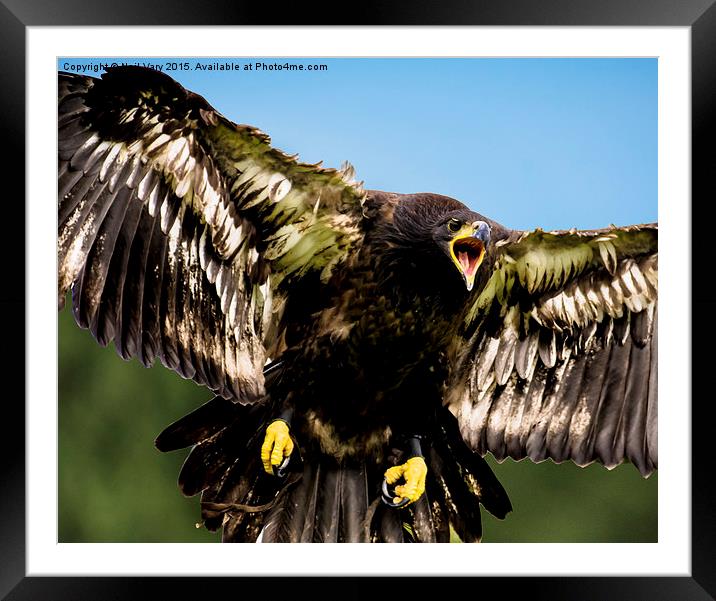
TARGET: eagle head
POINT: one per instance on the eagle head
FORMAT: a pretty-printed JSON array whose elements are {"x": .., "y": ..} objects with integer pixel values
[
  {"x": 464, "y": 238},
  {"x": 427, "y": 236}
]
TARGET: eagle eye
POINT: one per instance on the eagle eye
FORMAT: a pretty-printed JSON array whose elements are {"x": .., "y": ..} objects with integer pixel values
[{"x": 454, "y": 225}]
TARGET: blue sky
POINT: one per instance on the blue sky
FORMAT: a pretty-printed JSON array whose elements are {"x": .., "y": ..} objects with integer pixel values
[{"x": 552, "y": 143}]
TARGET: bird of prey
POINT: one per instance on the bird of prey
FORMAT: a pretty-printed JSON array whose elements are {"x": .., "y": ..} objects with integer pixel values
[{"x": 366, "y": 349}]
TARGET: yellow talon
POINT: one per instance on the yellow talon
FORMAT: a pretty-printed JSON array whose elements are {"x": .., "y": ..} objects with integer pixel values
[
  {"x": 277, "y": 445},
  {"x": 413, "y": 471}
]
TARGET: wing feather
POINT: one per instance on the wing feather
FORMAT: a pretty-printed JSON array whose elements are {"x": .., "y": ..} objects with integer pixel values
[
  {"x": 651, "y": 443},
  {"x": 180, "y": 231},
  {"x": 569, "y": 372},
  {"x": 109, "y": 316},
  {"x": 129, "y": 342},
  {"x": 152, "y": 298}
]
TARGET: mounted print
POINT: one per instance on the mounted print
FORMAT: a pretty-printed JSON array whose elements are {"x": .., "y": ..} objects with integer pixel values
[{"x": 383, "y": 300}]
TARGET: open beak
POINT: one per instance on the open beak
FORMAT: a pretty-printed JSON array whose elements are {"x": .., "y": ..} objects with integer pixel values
[{"x": 467, "y": 250}]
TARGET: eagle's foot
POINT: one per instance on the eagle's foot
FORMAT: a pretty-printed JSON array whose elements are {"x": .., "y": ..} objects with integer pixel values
[
  {"x": 277, "y": 446},
  {"x": 413, "y": 471}
]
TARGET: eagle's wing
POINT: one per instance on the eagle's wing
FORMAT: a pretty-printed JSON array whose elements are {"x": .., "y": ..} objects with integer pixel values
[
  {"x": 180, "y": 232},
  {"x": 557, "y": 357}
]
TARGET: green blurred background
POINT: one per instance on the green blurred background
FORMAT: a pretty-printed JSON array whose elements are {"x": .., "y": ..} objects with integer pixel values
[{"x": 114, "y": 486}]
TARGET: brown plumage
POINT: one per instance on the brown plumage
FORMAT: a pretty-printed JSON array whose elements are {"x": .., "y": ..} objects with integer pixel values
[{"x": 367, "y": 317}]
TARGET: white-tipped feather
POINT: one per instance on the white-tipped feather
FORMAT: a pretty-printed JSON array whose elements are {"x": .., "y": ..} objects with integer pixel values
[
  {"x": 109, "y": 161},
  {"x": 152, "y": 202},
  {"x": 485, "y": 362},
  {"x": 278, "y": 187},
  {"x": 160, "y": 140}
]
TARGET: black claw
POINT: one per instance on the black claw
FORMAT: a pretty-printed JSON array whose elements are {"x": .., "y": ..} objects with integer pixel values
[
  {"x": 280, "y": 471},
  {"x": 387, "y": 497}
]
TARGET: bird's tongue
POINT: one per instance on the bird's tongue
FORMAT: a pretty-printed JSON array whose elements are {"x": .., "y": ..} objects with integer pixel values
[{"x": 468, "y": 263}]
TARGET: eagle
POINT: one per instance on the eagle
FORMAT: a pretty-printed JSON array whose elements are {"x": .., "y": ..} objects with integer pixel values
[{"x": 365, "y": 349}]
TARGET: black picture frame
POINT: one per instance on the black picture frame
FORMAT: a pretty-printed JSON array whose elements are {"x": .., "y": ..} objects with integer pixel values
[{"x": 17, "y": 15}]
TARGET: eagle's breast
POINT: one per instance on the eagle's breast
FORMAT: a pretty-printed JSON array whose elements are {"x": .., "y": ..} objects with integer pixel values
[{"x": 367, "y": 363}]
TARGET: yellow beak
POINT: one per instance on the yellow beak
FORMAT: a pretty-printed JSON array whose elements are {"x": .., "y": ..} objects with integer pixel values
[{"x": 467, "y": 252}]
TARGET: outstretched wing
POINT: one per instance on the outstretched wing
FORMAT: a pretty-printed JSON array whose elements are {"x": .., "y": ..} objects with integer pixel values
[
  {"x": 180, "y": 232},
  {"x": 558, "y": 355}
]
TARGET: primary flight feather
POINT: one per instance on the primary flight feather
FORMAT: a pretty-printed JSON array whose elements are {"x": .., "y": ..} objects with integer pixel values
[{"x": 366, "y": 348}]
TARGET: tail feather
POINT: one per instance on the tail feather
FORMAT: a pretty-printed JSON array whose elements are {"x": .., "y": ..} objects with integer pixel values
[
  {"x": 354, "y": 501},
  {"x": 213, "y": 520},
  {"x": 301, "y": 499},
  {"x": 209, "y": 458},
  {"x": 204, "y": 464},
  {"x": 422, "y": 521},
  {"x": 464, "y": 516},
  {"x": 328, "y": 506},
  {"x": 474, "y": 474},
  {"x": 200, "y": 424},
  {"x": 312, "y": 503},
  {"x": 285, "y": 521},
  {"x": 200, "y": 469},
  {"x": 250, "y": 488},
  {"x": 324, "y": 500},
  {"x": 391, "y": 526},
  {"x": 239, "y": 487},
  {"x": 277, "y": 520},
  {"x": 244, "y": 529},
  {"x": 438, "y": 511}
]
